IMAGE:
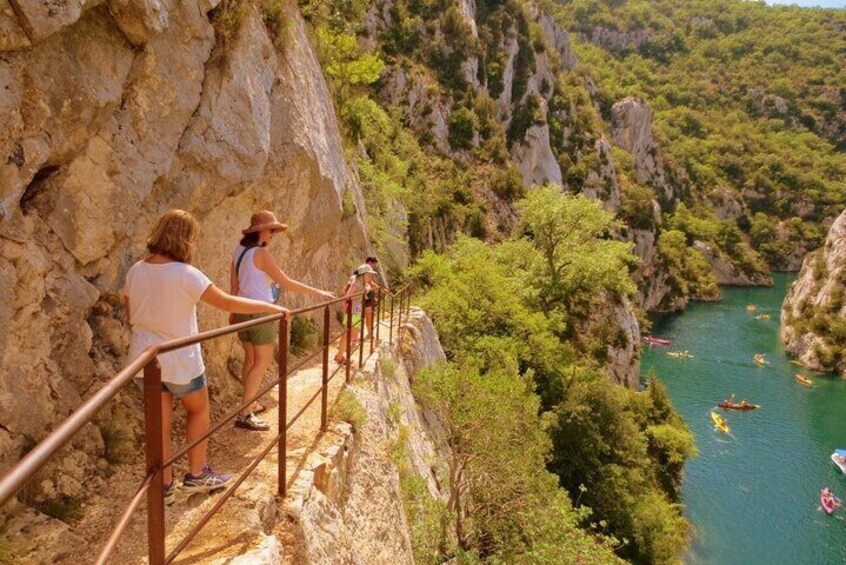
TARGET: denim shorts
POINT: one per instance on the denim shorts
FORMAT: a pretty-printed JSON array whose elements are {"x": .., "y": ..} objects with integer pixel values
[{"x": 178, "y": 391}]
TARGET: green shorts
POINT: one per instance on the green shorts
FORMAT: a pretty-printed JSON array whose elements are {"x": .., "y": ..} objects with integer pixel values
[
  {"x": 356, "y": 318},
  {"x": 257, "y": 335}
]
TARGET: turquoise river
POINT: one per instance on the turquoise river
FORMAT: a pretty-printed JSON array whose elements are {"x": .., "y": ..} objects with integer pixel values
[{"x": 753, "y": 496}]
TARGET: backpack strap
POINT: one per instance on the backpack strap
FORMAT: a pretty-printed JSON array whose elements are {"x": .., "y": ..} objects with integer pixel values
[{"x": 241, "y": 258}]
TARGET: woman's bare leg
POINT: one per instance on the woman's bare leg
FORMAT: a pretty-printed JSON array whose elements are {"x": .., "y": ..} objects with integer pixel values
[
  {"x": 167, "y": 421},
  {"x": 249, "y": 362},
  {"x": 196, "y": 405},
  {"x": 262, "y": 358}
]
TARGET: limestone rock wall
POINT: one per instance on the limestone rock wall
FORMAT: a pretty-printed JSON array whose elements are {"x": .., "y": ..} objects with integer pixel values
[
  {"x": 614, "y": 324},
  {"x": 631, "y": 121},
  {"x": 112, "y": 112},
  {"x": 813, "y": 313}
]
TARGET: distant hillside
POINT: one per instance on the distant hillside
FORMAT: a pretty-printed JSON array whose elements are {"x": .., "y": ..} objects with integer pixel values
[{"x": 748, "y": 99}]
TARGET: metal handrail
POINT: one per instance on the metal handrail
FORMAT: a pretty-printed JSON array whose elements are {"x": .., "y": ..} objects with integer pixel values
[
  {"x": 33, "y": 461},
  {"x": 151, "y": 485}
]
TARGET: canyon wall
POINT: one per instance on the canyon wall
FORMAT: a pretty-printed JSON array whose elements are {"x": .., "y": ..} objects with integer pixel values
[
  {"x": 111, "y": 113},
  {"x": 813, "y": 316}
]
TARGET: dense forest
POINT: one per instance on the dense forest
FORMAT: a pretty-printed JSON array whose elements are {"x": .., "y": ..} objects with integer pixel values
[
  {"x": 441, "y": 111},
  {"x": 747, "y": 98}
]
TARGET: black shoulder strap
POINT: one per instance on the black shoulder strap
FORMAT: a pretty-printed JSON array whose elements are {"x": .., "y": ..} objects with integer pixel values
[{"x": 241, "y": 258}]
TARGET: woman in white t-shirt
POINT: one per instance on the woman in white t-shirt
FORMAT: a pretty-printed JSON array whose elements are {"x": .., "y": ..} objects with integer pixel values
[
  {"x": 253, "y": 274},
  {"x": 161, "y": 294}
]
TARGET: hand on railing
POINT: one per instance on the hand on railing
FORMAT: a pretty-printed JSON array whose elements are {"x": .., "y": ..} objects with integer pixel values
[{"x": 276, "y": 309}]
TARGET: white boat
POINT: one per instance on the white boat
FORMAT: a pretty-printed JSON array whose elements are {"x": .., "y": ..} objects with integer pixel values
[{"x": 839, "y": 459}]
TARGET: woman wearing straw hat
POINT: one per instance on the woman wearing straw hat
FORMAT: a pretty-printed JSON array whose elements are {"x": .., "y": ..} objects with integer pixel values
[{"x": 253, "y": 274}]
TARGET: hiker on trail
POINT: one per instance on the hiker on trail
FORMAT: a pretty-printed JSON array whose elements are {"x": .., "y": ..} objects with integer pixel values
[
  {"x": 360, "y": 280},
  {"x": 161, "y": 295},
  {"x": 370, "y": 297},
  {"x": 254, "y": 274}
]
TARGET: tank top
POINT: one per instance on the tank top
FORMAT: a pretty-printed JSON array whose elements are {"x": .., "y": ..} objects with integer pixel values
[{"x": 252, "y": 281}]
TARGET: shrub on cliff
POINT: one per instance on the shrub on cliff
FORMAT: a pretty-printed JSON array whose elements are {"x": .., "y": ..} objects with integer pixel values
[
  {"x": 622, "y": 452},
  {"x": 506, "y": 313},
  {"x": 463, "y": 126},
  {"x": 504, "y": 506}
]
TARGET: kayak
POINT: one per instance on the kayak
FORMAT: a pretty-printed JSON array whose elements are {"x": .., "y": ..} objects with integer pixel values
[
  {"x": 751, "y": 307},
  {"x": 803, "y": 380},
  {"x": 829, "y": 501},
  {"x": 839, "y": 460},
  {"x": 738, "y": 406},
  {"x": 680, "y": 354},
  {"x": 759, "y": 359},
  {"x": 762, "y": 317},
  {"x": 720, "y": 422},
  {"x": 652, "y": 340}
]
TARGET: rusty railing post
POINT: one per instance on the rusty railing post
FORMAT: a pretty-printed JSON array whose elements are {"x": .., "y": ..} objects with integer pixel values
[
  {"x": 378, "y": 315},
  {"x": 361, "y": 332},
  {"x": 401, "y": 309},
  {"x": 391, "y": 322},
  {"x": 373, "y": 321},
  {"x": 154, "y": 459},
  {"x": 324, "y": 400},
  {"x": 348, "y": 306},
  {"x": 283, "y": 407}
]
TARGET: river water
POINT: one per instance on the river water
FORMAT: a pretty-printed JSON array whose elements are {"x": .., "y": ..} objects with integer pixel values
[{"x": 753, "y": 496}]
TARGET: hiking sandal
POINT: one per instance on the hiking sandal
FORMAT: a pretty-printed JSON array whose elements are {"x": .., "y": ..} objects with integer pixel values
[{"x": 252, "y": 422}]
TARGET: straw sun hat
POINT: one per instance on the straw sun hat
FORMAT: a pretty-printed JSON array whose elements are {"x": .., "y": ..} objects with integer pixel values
[{"x": 264, "y": 220}]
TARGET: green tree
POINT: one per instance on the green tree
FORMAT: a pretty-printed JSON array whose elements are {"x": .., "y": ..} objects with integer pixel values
[
  {"x": 507, "y": 509},
  {"x": 574, "y": 250}
]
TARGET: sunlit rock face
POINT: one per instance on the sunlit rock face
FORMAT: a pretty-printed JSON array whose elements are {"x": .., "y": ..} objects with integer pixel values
[{"x": 110, "y": 114}]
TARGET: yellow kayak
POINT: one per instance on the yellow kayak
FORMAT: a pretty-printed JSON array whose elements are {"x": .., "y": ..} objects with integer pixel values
[
  {"x": 751, "y": 307},
  {"x": 802, "y": 379},
  {"x": 680, "y": 354},
  {"x": 720, "y": 422},
  {"x": 759, "y": 359}
]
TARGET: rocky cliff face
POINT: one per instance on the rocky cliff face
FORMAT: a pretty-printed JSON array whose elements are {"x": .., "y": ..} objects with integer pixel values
[
  {"x": 813, "y": 316},
  {"x": 113, "y": 112},
  {"x": 520, "y": 58},
  {"x": 351, "y": 510},
  {"x": 631, "y": 123}
]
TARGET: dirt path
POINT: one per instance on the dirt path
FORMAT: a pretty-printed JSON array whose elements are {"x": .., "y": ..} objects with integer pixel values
[{"x": 250, "y": 511}]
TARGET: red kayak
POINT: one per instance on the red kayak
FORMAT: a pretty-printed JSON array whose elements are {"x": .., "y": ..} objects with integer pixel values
[
  {"x": 652, "y": 340},
  {"x": 829, "y": 502},
  {"x": 738, "y": 406}
]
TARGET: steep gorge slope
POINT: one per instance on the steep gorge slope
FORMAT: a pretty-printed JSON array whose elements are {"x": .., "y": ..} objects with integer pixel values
[
  {"x": 223, "y": 108},
  {"x": 813, "y": 320},
  {"x": 111, "y": 114},
  {"x": 748, "y": 102},
  {"x": 496, "y": 86}
]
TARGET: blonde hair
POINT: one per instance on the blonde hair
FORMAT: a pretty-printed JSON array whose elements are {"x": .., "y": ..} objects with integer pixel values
[{"x": 174, "y": 235}]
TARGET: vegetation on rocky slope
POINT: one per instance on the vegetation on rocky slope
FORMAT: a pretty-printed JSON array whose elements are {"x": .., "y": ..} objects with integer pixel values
[
  {"x": 439, "y": 108},
  {"x": 506, "y": 313},
  {"x": 748, "y": 100}
]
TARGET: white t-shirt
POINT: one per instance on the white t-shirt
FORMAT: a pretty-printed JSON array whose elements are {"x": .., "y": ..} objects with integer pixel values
[{"x": 163, "y": 306}]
